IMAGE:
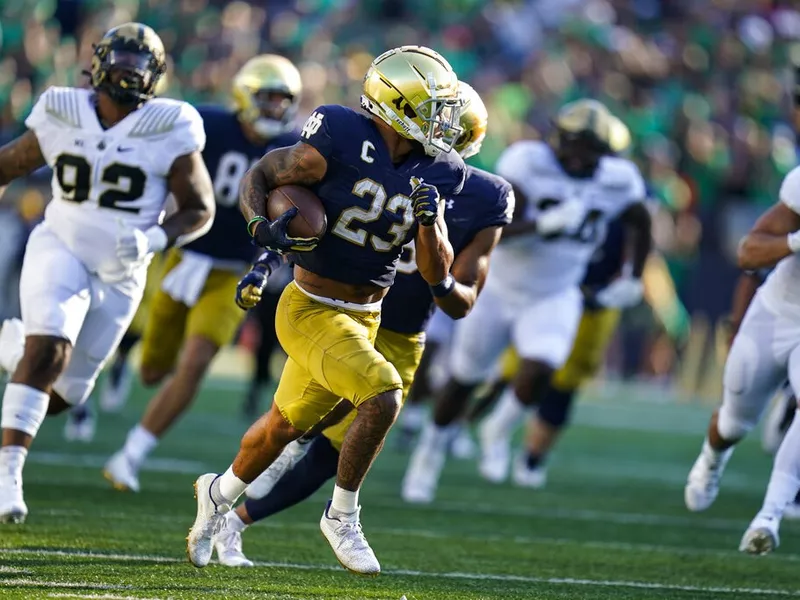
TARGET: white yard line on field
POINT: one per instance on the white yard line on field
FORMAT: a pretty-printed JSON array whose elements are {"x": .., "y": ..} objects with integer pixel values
[
  {"x": 26, "y": 582},
  {"x": 100, "y": 596},
  {"x": 650, "y": 585}
]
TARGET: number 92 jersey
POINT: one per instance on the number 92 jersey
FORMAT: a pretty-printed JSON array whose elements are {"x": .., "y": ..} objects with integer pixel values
[
  {"x": 537, "y": 266},
  {"x": 365, "y": 196},
  {"x": 228, "y": 155},
  {"x": 104, "y": 176}
]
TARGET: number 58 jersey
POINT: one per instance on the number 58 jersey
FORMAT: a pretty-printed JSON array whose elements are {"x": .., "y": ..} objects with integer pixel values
[
  {"x": 105, "y": 177},
  {"x": 535, "y": 266}
]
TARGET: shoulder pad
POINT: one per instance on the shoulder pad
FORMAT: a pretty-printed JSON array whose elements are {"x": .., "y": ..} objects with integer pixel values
[
  {"x": 522, "y": 158},
  {"x": 160, "y": 116},
  {"x": 63, "y": 104},
  {"x": 615, "y": 172}
]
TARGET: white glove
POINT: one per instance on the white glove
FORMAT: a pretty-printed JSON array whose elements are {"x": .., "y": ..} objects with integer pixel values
[
  {"x": 134, "y": 245},
  {"x": 623, "y": 292},
  {"x": 564, "y": 216}
]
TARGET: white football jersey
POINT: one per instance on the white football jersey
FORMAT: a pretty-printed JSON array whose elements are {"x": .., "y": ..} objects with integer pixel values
[
  {"x": 534, "y": 265},
  {"x": 781, "y": 290},
  {"x": 105, "y": 177}
]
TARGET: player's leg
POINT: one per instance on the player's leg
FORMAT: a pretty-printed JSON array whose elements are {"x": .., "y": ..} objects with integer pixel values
[
  {"x": 543, "y": 336},
  {"x": 595, "y": 332},
  {"x": 335, "y": 345},
  {"x": 780, "y": 416},
  {"x": 55, "y": 297},
  {"x": 761, "y": 536},
  {"x": 315, "y": 467},
  {"x": 478, "y": 341},
  {"x": 268, "y": 343},
  {"x": 753, "y": 372}
]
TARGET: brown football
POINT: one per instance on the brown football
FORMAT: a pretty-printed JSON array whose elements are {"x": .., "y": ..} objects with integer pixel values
[{"x": 310, "y": 220}]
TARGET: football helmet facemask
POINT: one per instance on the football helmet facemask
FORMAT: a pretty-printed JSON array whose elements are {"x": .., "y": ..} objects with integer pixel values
[
  {"x": 266, "y": 94},
  {"x": 127, "y": 64},
  {"x": 414, "y": 90}
]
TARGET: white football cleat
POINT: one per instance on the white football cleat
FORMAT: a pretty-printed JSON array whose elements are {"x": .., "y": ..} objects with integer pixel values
[
  {"x": 12, "y": 344},
  {"x": 702, "y": 485},
  {"x": 228, "y": 544},
  {"x": 523, "y": 476},
  {"x": 762, "y": 536},
  {"x": 12, "y": 505},
  {"x": 425, "y": 467},
  {"x": 210, "y": 519},
  {"x": 263, "y": 484},
  {"x": 121, "y": 472},
  {"x": 114, "y": 397},
  {"x": 351, "y": 548},
  {"x": 463, "y": 446},
  {"x": 80, "y": 430},
  {"x": 495, "y": 454}
]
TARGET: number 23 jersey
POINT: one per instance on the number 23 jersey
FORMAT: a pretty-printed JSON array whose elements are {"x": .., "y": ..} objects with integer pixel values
[
  {"x": 102, "y": 177},
  {"x": 537, "y": 266}
]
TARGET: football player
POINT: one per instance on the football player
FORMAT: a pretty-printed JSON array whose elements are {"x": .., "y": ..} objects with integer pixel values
[
  {"x": 379, "y": 178},
  {"x": 116, "y": 151},
  {"x": 566, "y": 192},
  {"x": 191, "y": 315},
  {"x": 474, "y": 218}
]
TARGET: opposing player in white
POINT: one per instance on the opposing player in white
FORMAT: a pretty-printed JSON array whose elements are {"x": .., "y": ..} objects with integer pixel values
[
  {"x": 115, "y": 153},
  {"x": 566, "y": 193},
  {"x": 766, "y": 349}
]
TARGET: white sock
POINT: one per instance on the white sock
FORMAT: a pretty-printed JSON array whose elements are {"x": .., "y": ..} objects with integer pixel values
[
  {"x": 234, "y": 522},
  {"x": 507, "y": 415},
  {"x": 24, "y": 408},
  {"x": 344, "y": 501},
  {"x": 227, "y": 488},
  {"x": 785, "y": 478},
  {"x": 12, "y": 459},
  {"x": 139, "y": 444}
]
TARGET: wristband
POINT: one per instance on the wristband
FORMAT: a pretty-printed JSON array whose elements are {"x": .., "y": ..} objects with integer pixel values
[
  {"x": 251, "y": 222},
  {"x": 793, "y": 241},
  {"x": 444, "y": 287}
]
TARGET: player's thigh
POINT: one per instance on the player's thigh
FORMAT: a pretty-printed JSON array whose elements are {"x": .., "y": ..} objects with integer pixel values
[
  {"x": 753, "y": 371},
  {"x": 105, "y": 324},
  {"x": 509, "y": 364},
  {"x": 55, "y": 288},
  {"x": 165, "y": 327},
  {"x": 215, "y": 316},
  {"x": 154, "y": 274},
  {"x": 302, "y": 400},
  {"x": 404, "y": 351},
  {"x": 480, "y": 338},
  {"x": 545, "y": 330},
  {"x": 335, "y": 346},
  {"x": 595, "y": 331}
]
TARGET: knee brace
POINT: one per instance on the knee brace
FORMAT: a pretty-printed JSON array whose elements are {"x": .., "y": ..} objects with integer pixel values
[
  {"x": 24, "y": 408},
  {"x": 556, "y": 407}
]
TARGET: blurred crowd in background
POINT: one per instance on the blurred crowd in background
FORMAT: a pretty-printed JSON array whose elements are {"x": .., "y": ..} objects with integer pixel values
[{"x": 703, "y": 85}]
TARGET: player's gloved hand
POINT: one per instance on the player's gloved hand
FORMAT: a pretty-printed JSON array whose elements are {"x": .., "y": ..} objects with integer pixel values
[
  {"x": 425, "y": 200},
  {"x": 273, "y": 235},
  {"x": 623, "y": 292},
  {"x": 251, "y": 287},
  {"x": 564, "y": 216},
  {"x": 134, "y": 245}
]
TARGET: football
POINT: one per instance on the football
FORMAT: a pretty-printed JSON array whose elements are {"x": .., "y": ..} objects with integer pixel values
[{"x": 310, "y": 220}]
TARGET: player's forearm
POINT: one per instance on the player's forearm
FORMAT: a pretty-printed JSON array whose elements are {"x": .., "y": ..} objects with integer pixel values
[
  {"x": 434, "y": 253},
  {"x": 759, "y": 250},
  {"x": 188, "y": 224},
  {"x": 459, "y": 302},
  {"x": 20, "y": 157},
  {"x": 639, "y": 240},
  {"x": 253, "y": 192}
]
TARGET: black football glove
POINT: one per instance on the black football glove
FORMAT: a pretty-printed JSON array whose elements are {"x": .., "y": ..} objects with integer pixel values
[
  {"x": 273, "y": 235},
  {"x": 425, "y": 200}
]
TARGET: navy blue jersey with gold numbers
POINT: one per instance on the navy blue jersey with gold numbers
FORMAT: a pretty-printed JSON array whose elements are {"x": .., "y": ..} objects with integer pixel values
[
  {"x": 228, "y": 155},
  {"x": 365, "y": 196},
  {"x": 486, "y": 200}
]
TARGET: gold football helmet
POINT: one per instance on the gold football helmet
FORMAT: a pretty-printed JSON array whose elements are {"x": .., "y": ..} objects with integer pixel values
[
  {"x": 585, "y": 132},
  {"x": 415, "y": 91},
  {"x": 266, "y": 94},
  {"x": 128, "y": 62},
  {"x": 474, "y": 121}
]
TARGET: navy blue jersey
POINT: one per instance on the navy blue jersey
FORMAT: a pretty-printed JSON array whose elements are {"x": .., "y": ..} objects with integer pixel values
[
  {"x": 485, "y": 201},
  {"x": 365, "y": 195},
  {"x": 606, "y": 263},
  {"x": 228, "y": 155}
]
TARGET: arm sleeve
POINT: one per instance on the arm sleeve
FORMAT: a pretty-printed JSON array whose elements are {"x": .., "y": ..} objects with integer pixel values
[
  {"x": 790, "y": 190},
  {"x": 317, "y": 132},
  {"x": 187, "y": 136},
  {"x": 41, "y": 125}
]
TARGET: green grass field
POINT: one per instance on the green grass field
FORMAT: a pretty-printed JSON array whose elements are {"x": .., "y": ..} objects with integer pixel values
[{"x": 611, "y": 523}]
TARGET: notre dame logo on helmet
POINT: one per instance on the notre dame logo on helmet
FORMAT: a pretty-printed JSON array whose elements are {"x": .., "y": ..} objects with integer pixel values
[{"x": 127, "y": 63}]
